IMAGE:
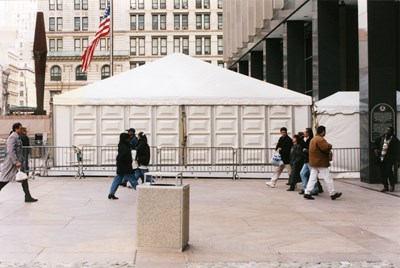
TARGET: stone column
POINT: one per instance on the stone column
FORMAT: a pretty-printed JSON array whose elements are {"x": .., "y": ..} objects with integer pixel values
[
  {"x": 256, "y": 65},
  {"x": 379, "y": 50},
  {"x": 295, "y": 56},
  {"x": 274, "y": 61}
]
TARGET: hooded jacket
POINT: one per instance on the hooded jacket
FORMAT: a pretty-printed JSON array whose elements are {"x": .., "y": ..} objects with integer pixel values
[
  {"x": 124, "y": 156},
  {"x": 143, "y": 151}
]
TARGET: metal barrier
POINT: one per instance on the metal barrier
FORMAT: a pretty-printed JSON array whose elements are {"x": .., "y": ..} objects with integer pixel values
[
  {"x": 198, "y": 161},
  {"x": 191, "y": 161}
]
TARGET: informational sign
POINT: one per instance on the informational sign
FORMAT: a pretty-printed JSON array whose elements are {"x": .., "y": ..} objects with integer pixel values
[{"x": 382, "y": 117}]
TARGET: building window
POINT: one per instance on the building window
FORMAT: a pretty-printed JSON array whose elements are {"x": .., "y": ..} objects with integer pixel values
[
  {"x": 177, "y": 22},
  {"x": 55, "y": 45},
  {"x": 141, "y": 46},
  {"x": 85, "y": 4},
  {"x": 159, "y": 46},
  {"x": 141, "y": 4},
  {"x": 105, "y": 72},
  {"x": 135, "y": 64},
  {"x": 21, "y": 93},
  {"x": 77, "y": 4},
  {"x": 102, "y": 4},
  {"x": 85, "y": 23},
  {"x": 198, "y": 4},
  {"x": 77, "y": 24},
  {"x": 220, "y": 45},
  {"x": 21, "y": 84},
  {"x": 80, "y": 44},
  {"x": 154, "y": 46},
  {"x": 59, "y": 24},
  {"x": 199, "y": 21},
  {"x": 59, "y": 4},
  {"x": 133, "y": 4},
  {"x": 21, "y": 74},
  {"x": 207, "y": 46},
  {"x": 207, "y": 21},
  {"x": 133, "y": 22},
  {"x": 104, "y": 44},
  {"x": 21, "y": 103},
  {"x": 132, "y": 46},
  {"x": 154, "y": 4},
  {"x": 52, "y": 4},
  {"x": 181, "y": 45},
  {"x": 55, "y": 73},
  {"x": 155, "y": 22},
  {"x": 221, "y": 64},
  {"x": 79, "y": 75},
  {"x": 185, "y": 4},
  {"x": 206, "y": 3},
  {"x": 52, "y": 24},
  {"x": 163, "y": 4},
  {"x": 199, "y": 45},
  {"x": 163, "y": 22},
  {"x": 141, "y": 22},
  {"x": 220, "y": 3},
  {"x": 220, "y": 21}
]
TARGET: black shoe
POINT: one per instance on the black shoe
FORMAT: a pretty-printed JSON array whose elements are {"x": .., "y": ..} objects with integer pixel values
[
  {"x": 290, "y": 188},
  {"x": 30, "y": 199},
  {"x": 336, "y": 195},
  {"x": 301, "y": 192},
  {"x": 385, "y": 189},
  {"x": 308, "y": 196},
  {"x": 391, "y": 188},
  {"x": 123, "y": 184},
  {"x": 287, "y": 183},
  {"x": 314, "y": 194},
  {"x": 111, "y": 196}
]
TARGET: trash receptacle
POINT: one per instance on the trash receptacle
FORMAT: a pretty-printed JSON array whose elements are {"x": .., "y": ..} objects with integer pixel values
[{"x": 38, "y": 142}]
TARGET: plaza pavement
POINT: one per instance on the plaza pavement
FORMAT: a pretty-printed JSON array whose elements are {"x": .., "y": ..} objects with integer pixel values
[{"x": 238, "y": 223}]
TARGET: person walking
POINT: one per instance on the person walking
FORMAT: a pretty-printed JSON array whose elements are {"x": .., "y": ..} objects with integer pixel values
[
  {"x": 283, "y": 147},
  {"x": 142, "y": 156},
  {"x": 387, "y": 151},
  {"x": 296, "y": 162},
  {"x": 25, "y": 149},
  {"x": 13, "y": 161},
  {"x": 124, "y": 165},
  {"x": 305, "y": 170},
  {"x": 319, "y": 153}
]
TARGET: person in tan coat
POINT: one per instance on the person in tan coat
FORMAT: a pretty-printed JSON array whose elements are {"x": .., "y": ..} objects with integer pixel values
[{"x": 319, "y": 156}]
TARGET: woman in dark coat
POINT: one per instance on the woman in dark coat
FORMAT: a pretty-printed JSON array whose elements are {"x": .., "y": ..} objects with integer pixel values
[
  {"x": 142, "y": 156},
  {"x": 296, "y": 162},
  {"x": 124, "y": 165}
]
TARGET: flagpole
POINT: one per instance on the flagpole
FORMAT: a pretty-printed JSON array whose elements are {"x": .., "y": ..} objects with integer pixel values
[{"x": 111, "y": 38}]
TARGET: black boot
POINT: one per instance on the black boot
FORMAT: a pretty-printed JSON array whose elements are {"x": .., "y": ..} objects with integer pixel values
[{"x": 28, "y": 197}]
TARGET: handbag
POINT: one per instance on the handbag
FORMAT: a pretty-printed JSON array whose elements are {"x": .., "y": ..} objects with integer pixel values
[
  {"x": 276, "y": 159},
  {"x": 21, "y": 176}
]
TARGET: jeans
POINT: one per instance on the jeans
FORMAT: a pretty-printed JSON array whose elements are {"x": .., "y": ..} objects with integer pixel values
[
  {"x": 139, "y": 173},
  {"x": 118, "y": 179},
  {"x": 305, "y": 176}
]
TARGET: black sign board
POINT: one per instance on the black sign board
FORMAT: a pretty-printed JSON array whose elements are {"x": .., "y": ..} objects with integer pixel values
[{"x": 382, "y": 116}]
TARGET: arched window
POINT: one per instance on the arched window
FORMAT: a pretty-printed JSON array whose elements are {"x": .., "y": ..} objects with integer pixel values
[
  {"x": 79, "y": 75},
  {"x": 105, "y": 72},
  {"x": 55, "y": 73}
]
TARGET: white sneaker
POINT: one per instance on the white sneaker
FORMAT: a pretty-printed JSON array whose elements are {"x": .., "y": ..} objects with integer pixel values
[{"x": 270, "y": 184}]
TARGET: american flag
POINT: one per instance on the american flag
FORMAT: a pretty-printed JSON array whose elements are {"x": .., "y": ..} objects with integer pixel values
[{"x": 102, "y": 31}]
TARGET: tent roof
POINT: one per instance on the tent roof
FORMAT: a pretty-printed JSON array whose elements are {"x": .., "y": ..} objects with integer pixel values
[
  {"x": 344, "y": 102},
  {"x": 178, "y": 79}
]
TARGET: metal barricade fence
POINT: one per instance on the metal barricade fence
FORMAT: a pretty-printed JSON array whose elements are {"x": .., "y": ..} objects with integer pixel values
[
  {"x": 198, "y": 161},
  {"x": 192, "y": 161}
]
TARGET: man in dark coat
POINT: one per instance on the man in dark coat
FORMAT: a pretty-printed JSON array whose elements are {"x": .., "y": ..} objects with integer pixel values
[
  {"x": 387, "y": 151},
  {"x": 283, "y": 146}
]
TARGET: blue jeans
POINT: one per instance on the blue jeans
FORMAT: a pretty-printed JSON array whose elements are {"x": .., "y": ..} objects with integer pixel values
[
  {"x": 118, "y": 178},
  {"x": 305, "y": 176},
  {"x": 139, "y": 173}
]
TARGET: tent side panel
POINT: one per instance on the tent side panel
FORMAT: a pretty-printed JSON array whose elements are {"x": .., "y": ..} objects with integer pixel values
[
  {"x": 226, "y": 126},
  {"x": 166, "y": 126},
  {"x": 279, "y": 116},
  {"x": 62, "y": 126},
  {"x": 140, "y": 118},
  {"x": 84, "y": 125},
  {"x": 253, "y": 126}
]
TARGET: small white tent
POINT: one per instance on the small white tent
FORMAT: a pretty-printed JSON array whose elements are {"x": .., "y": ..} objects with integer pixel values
[{"x": 179, "y": 99}]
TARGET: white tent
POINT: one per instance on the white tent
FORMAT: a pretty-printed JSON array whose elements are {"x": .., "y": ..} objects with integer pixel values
[
  {"x": 178, "y": 79},
  {"x": 179, "y": 101},
  {"x": 340, "y": 113}
]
